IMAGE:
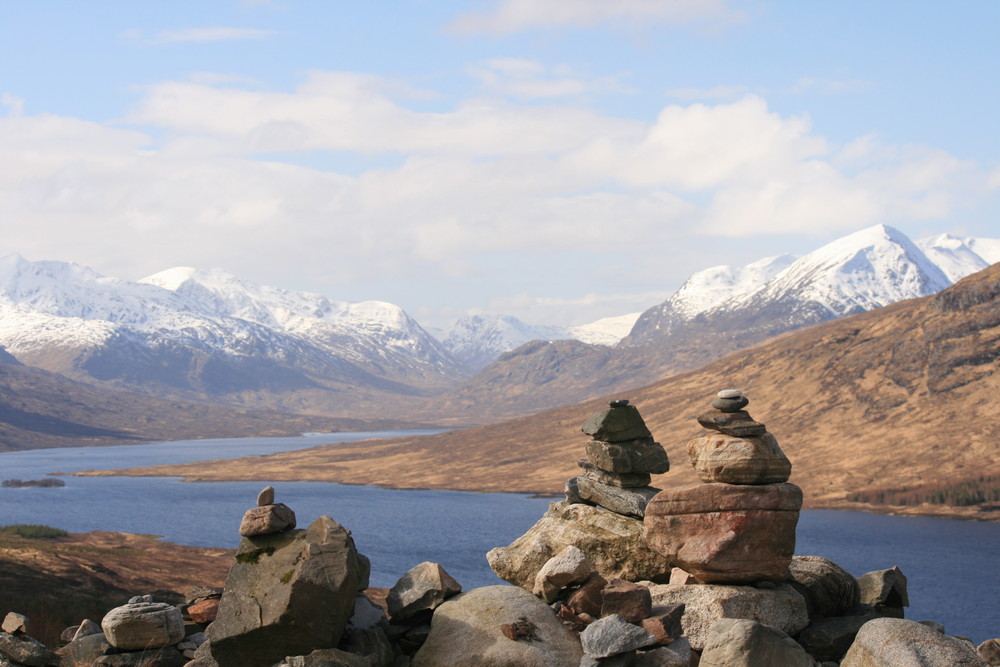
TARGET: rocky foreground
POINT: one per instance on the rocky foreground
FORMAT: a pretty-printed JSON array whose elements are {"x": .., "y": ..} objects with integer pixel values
[{"x": 618, "y": 574}]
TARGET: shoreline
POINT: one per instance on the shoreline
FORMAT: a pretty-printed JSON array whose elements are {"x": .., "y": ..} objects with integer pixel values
[{"x": 925, "y": 510}]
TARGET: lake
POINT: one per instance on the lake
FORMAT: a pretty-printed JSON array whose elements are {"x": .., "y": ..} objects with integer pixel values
[{"x": 951, "y": 565}]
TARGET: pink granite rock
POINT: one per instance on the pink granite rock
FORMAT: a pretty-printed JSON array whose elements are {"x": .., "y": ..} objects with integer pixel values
[{"x": 726, "y": 533}]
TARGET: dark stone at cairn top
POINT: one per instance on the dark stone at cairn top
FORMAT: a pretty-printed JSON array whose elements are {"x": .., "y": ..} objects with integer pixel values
[
  {"x": 618, "y": 403},
  {"x": 616, "y": 424}
]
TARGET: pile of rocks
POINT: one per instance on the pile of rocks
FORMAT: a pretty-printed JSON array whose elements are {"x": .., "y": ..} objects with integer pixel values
[
  {"x": 620, "y": 458},
  {"x": 738, "y": 526}
]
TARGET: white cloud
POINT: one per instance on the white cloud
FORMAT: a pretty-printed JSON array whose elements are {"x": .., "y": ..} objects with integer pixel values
[
  {"x": 13, "y": 104},
  {"x": 589, "y": 308},
  {"x": 526, "y": 79},
  {"x": 515, "y": 15},
  {"x": 484, "y": 178},
  {"x": 202, "y": 35}
]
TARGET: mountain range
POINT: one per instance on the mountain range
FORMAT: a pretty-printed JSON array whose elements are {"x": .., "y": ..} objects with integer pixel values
[
  {"x": 893, "y": 408},
  {"x": 205, "y": 335}
]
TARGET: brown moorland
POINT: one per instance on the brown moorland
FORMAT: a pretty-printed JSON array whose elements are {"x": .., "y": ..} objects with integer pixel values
[
  {"x": 896, "y": 400},
  {"x": 57, "y": 582}
]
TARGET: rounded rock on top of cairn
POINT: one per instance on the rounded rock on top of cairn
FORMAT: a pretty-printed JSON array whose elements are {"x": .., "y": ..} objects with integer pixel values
[
  {"x": 738, "y": 526},
  {"x": 266, "y": 496}
]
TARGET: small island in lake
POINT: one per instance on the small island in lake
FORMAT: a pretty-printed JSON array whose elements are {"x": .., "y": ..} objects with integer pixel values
[{"x": 21, "y": 483}]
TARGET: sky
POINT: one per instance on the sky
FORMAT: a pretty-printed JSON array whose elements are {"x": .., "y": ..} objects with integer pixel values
[{"x": 557, "y": 160}]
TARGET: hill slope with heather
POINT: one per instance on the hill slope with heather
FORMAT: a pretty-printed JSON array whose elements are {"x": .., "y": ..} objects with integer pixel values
[{"x": 902, "y": 397}]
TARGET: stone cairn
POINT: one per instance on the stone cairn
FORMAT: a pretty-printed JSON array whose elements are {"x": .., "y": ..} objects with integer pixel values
[
  {"x": 738, "y": 525},
  {"x": 620, "y": 458}
]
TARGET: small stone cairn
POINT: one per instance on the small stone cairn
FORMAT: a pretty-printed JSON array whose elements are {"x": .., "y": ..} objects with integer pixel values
[
  {"x": 738, "y": 525},
  {"x": 620, "y": 458}
]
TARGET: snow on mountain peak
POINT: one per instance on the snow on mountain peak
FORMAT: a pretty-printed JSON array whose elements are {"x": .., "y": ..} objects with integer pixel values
[{"x": 171, "y": 279}]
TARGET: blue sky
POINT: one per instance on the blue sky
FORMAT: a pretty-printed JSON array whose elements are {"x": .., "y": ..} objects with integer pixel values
[{"x": 560, "y": 160}]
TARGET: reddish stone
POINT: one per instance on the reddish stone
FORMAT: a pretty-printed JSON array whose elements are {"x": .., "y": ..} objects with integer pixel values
[
  {"x": 665, "y": 623},
  {"x": 204, "y": 612},
  {"x": 587, "y": 598},
  {"x": 631, "y": 601},
  {"x": 726, "y": 533}
]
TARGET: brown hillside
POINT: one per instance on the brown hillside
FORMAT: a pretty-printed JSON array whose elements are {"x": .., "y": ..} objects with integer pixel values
[{"x": 902, "y": 396}]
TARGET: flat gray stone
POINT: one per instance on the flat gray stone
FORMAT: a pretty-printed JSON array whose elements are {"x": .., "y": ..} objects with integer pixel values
[
  {"x": 423, "y": 587},
  {"x": 642, "y": 455},
  {"x": 143, "y": 625},
  {"x": 630, "y": 501},
  {"x": 622, "y": 479},
  {"x": 612, "y": 635},
  {"x": 616, "y": 424}
]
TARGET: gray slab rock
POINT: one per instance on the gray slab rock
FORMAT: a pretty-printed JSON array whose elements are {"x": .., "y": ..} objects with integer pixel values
[
  {"x": 288, "y": 594},
  {"x": 86, "y": 650},
  {"x": 569, "y": 566},
  {"x": 895, "y": 642},
  {"x": 466, "y": 631},
  {"x": 630, "y": 501},
  {"x": 829, "y": 589},
  {"x": 613, "y": 543},
  {"x": 423, "y": 587},
  {"x": 620, "y": 660},
  {"x": 734, "y": 642},
  {"x": 616, "y": 424},
  {"x": 26, "y": 651},
  {"x": 612, "y": 635},
  {"x": 623, "y": 479},
  {"x": 86, "y": 628},
  {"x": 167, "y": 656},
  {"x": 781, "y": 607},
  {"x": 143, "y": 625}
]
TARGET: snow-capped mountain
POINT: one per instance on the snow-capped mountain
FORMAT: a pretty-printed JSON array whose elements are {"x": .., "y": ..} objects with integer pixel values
[
  {"x": 958, "y": 257},
  {"x": 478, "y": 340},
  {"x": 209, "y": 333},
  {"x": 867, "y": 269}
]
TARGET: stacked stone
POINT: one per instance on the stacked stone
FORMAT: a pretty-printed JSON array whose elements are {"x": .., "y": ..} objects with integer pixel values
[
  {"x": 620, "y": 458},
  {"x": 738, "y": 526}
]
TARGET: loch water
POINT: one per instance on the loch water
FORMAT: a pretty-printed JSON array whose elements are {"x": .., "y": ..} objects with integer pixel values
[{"x": 951, "y": 566}]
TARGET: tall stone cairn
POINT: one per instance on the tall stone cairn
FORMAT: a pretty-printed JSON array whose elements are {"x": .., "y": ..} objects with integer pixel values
[
  {"x": 620, "y": 458},
  {"x": 738, "y": 525}
]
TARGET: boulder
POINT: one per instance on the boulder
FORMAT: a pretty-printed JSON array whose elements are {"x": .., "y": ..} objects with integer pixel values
[
  {"x": 782, "y": 607},
  {"x": 895, "y": 642},
  {"x": 612, "y": 635},
  {"x": 630, "y": 501},
  {"x": 423, "y": 587},
  {"x": 989, "y": 652},
  {"x": 86, "y": 650},
  {"x": 718, "y": 457},
  {"x": 267, "y": 519},
  {"x": 143, "y": 625},
  {"x": 26, "y": 651},
  {"x": 587, "y": 598},
  {"x": 885, "y": 590},
  {"x": 829, "y": 638},
  {"x": 626, "y": 599},
  {"x": 678, "y": 654},
  {"x": 616, "y": 424},
  {"x": 642, "y": 455},
  {"x": 468, "y": 631},
  {"x": 167, "y": 656},
  {"x": 726, "y": 533},
  {"x": 288, "y": 594},
  {"x": 829, "y": 589},
  {"x": 665, "y": 623},
  {"x": 15, "y": 623},
  {"x": 735, "y": 642},
  {"x": 569, "y": 566},
  {"x": 86, "y": 628},
  {"x": 613, "y": 543},
  {"x": 204, "y": 611}
]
